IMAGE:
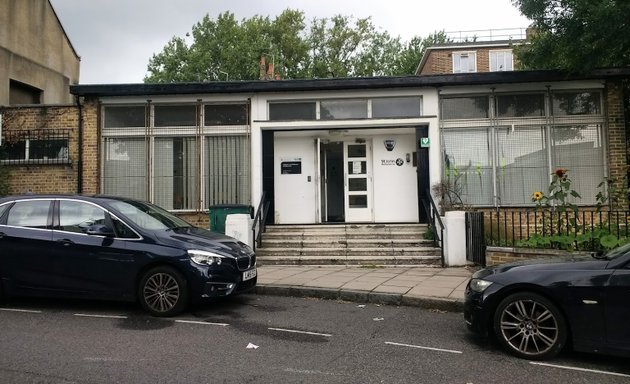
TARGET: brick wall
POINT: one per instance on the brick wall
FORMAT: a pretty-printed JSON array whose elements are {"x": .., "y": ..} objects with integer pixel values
[
  {"x": 502, "y": 255},
  {"x": 91, "y": 147},
  {"x": 43, "y": 178},
  {"x": 617, "y": 149}
]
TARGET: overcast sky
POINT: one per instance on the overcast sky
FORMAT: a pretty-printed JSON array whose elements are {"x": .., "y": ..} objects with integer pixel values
[{"x": 116, "y": 38}]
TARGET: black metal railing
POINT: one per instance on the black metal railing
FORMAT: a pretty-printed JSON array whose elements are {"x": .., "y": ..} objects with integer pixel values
[
  {"x": 36, "y": 146},
  {"x": 433, "y": 215},
  {"x": 258, "y": 227},
  {"x": 587, "y": 230},
  {"x": 475, "y": 241}
]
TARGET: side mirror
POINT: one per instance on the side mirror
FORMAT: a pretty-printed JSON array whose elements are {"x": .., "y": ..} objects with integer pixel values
[{"x": 100, "y": 230}]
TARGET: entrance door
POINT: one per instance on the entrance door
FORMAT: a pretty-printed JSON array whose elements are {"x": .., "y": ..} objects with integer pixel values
[
  {"x": 358, "y": 182},
  {"x": 332, "y": 182}
]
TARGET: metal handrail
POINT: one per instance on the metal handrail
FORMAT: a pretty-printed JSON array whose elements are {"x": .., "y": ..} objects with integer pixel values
[
  {"x": 433, "y": 214},
  {"x": 260, "y": 219}
]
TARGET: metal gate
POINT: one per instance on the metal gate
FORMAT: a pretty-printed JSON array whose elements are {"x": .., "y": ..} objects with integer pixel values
[{"x": 475, "y": 241}]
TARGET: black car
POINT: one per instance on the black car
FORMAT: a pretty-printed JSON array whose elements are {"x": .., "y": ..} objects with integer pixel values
[
  {"x": 116, "y": 248},
  {"x": 535, "y": 309}
]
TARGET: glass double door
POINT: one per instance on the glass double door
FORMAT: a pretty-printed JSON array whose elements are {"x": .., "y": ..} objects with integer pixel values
[{"x": 345, "y": 182}]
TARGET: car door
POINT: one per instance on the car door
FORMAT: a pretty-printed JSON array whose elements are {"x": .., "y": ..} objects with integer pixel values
[
  {"x": 89, "y": 264},
  {"x": 25, "y": 241},
  {"x": 618, "y": 309}
]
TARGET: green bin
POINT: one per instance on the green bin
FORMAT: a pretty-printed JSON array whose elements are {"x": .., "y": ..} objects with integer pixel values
[{"x": 218, "y": 214}]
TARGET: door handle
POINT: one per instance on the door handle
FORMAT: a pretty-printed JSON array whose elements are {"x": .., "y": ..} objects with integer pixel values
[{"x": 65, "y": 242}]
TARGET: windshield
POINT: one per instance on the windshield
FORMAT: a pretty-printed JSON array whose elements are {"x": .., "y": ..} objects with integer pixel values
[
  {"x": 148, "y": 216},
  {"x": 617, "y": 252}
]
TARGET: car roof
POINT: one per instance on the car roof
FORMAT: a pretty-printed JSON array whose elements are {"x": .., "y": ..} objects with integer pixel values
[{"x": 90, "y": 198}]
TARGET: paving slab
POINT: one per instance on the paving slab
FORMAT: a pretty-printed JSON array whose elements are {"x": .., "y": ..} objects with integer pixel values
[{"x": 422, "y": 286}]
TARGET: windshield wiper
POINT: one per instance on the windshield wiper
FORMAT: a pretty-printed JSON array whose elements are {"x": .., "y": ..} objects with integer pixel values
[{"x": 599, "y": 255}]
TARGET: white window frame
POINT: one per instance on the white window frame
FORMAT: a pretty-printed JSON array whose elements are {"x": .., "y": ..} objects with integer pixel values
[
  {"x": 501, "y": 51},
  {"x": 471, "y": 55}
]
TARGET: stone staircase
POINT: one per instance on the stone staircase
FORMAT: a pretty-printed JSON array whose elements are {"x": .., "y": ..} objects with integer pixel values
[{"x": 359, "y": 244}]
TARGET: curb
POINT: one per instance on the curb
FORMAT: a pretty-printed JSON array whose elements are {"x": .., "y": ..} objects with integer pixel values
[{"x": 437, "y": 303}]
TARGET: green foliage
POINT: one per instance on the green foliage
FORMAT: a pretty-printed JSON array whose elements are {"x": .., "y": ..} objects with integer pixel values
[
  {"x": 340, "y": 46},
  {"x": 576, "y": 35}
]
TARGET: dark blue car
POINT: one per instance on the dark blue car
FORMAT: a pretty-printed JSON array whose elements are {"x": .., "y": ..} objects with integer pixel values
[
  {"x": 116, "y": 248},
  {"x": 537, "y": 308}
]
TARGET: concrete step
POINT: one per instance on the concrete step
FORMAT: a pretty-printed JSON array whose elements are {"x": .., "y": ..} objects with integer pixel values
[
  {"x": 331, "y": 242},
  {"x": 350, "y": 260},
  {"x": 352, "y": 235},
  {"x": 371, "y": 228},
  {"x": 338, "y": 251}
]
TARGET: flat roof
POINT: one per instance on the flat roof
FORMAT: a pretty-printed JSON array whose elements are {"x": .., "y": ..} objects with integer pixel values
[{"x": 332, "y": 84}]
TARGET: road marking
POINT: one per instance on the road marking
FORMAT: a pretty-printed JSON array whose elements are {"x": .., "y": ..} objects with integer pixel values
[
  {"x": 19, "y": 310},
  {"x": 421, "y": 347},
  {"x": 101, "y": 316},
  {"x": 302, "y": 332},
  {"x": 201, "y": 323},
  {"x": 580, "y": 369}
]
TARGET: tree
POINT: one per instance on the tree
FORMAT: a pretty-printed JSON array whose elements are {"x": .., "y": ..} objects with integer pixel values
[
  {"x": 340, "y": 46},
  {"x": 576, "y": 35}
]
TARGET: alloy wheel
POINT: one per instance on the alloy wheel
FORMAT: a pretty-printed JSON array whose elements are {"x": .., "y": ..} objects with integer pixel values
[{"x": 161, "y": 292}]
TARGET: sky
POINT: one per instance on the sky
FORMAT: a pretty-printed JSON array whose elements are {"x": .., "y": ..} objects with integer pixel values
[{"x": 116, "y": 38}]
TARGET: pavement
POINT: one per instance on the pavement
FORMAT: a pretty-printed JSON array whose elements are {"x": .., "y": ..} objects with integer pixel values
[{"x": 420, "y": 286}]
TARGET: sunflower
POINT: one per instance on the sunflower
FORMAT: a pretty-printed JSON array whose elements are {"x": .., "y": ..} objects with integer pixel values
[
  {"x": 537, "y": 196},
  {"x": 561, "y": 172}
]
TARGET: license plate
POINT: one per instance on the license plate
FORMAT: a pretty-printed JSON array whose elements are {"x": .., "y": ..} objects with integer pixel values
[{"x": 247, "y": 275}]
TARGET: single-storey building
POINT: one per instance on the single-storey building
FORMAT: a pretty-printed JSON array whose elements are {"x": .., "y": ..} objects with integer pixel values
[{"x": 334, "y": 150}]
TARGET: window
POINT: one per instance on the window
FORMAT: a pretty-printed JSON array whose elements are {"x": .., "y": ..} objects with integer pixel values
[
  {"x": 468, "y": 168},
  {"x": 470, "y": 107},
  {"x": 175, "y": 115},
  {"x": 464, "y": 62},
  {"x": 77, "y": 216},
  {"x": 501, "y": 61},
  {"x": 343, "y": 109},
  {"x": 292, "y": 111},
  {"x": 576, "y": 103},
  {"x": 39, "y": 147},
  {"x": 226, "y": 173},
  {"x": 175, "y": 173},
  {"x": 225, "y": 114},
  {"x": 396, "y": 107},
  {"x": 503, "y": 159},
  {"x": 33, "y": 214},
  {"x": 522, "y": 163},
  {"x": 124, "y": 116},
  {"x": 579, "y": 148},
  {"x": 122, "y": 230},
  {"x": 125, "y": 167},
  {"x": 520, "y": 105}
]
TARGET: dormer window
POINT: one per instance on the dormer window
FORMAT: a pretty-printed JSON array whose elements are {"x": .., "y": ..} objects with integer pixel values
[
  {"x": 464, "y": 62},
  {"x": 501, "y": 61}
]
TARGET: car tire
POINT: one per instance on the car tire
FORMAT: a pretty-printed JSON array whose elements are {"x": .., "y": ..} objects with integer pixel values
[
  {"x": 530, "y": 326},
  {"x": 163, "y": 292}
]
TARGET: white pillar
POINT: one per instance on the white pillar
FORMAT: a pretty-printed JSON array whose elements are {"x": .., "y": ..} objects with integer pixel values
[{"x": 455, "y": 239}]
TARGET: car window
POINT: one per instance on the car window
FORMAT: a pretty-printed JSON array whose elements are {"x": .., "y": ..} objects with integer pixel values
[
  {"x": 4, "y": 208},
  {"x": 77, "y": 216},
  {"x": 32, "y": 214},
  {"x": 148, "y": 216},
  {"x": 122, "y": 230}
]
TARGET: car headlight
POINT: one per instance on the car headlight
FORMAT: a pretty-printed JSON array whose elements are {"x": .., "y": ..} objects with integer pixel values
[
  {"x": 205, "y": 257},
  {"x": 479, "y": 285}
]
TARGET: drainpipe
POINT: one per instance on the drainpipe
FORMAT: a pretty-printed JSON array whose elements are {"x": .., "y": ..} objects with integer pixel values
[{"x": 80, "y": 148}]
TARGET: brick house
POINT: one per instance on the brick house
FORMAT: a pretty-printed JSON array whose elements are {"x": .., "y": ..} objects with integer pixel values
[{"x": 473, "y": 51}]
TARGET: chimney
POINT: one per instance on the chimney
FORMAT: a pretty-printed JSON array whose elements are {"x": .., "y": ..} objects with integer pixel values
[{"x": 262, "y": 68}]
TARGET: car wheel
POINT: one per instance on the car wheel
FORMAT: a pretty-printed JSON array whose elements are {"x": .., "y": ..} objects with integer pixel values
[
  {"x": 530, "y": 326},
  {"x": 163, "y": 292}
]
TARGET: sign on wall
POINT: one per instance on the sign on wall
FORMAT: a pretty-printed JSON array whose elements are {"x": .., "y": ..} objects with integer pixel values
[
  {"x": 291, "y": 166},
  {"x": 425, "y": 142}
]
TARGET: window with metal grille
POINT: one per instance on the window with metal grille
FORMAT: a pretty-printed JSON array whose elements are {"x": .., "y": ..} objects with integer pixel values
[
  {"x": 47, "y": 146},
  {"x": 501, "y": 160},
  {"x": 125, "y": 167},
  {"x": 226, "y": 172}
]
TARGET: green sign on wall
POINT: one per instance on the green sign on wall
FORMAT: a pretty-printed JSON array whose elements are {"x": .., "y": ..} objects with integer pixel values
[{"x": 425, "y": 142}]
